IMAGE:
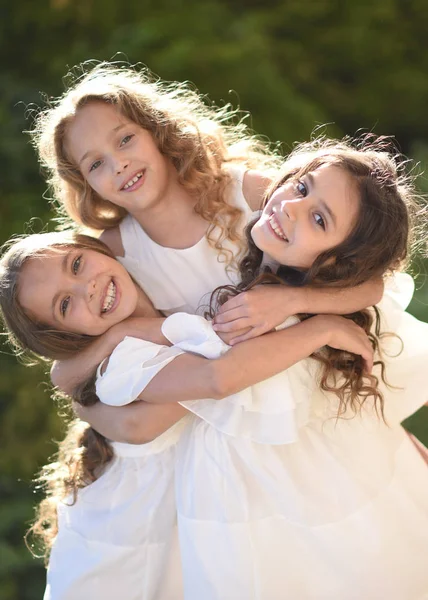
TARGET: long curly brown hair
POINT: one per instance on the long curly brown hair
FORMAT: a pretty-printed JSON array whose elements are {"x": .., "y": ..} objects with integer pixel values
[
  {"x": 198, "y": 138},
  {"x": 378, "y": 244}
]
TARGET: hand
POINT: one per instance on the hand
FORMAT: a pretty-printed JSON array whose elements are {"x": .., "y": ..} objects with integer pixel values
[
  {"x": 258, "y": 311},
  {"x": 344, "y": 334}
]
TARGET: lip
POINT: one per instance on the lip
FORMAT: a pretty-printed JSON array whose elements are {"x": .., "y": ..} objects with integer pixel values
[
  {"x": 104, "y": 294},
  {"x": 279, "y": 225},
  {"x": 137, "y": 184}
]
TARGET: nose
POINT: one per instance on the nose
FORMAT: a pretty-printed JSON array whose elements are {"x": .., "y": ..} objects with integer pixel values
[
  {"x": 290, "y": 208},
  {"x": 85, "y": 289},
  {"x": 120, "y": 163},
  {"x": 91, "y": 288}
]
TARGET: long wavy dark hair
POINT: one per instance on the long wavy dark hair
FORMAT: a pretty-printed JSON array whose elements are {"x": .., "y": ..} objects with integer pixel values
[{"x": 377, "y": 244}]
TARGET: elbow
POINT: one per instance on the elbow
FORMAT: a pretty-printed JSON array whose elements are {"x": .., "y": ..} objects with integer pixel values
[
  {"x": 133, "y": 433},
  {"x": 137, "y": 429}
]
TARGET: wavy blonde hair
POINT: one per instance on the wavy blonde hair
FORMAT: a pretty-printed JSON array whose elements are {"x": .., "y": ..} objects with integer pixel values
[{"x": 198, "y": 138}]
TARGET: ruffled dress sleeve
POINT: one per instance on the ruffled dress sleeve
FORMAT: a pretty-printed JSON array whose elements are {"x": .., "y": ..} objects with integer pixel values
[
  {"x": 271, "y": 412},
  {"x": 131, "y": 367},
  {"x": 404, "y": 350}
]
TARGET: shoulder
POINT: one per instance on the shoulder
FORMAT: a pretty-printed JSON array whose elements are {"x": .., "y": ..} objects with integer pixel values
[
  {"x": 113, "y": 239},
  {"x": 254, "y": 186}
]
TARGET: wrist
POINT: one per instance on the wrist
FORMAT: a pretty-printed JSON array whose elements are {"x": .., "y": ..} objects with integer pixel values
[
  {"x": 320, "y": 330},
  {"x": 300, "y": 301}
]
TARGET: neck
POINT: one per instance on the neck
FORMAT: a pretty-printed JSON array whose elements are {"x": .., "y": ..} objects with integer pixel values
[
  {"x": 171, "y": 219},
  {"x": 145, "y": 306}
]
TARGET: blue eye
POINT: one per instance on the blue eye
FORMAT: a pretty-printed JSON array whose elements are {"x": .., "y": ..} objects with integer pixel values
[
  {"x": 126, "y": 139},
  {"x": 319, "y": 220},
  {"x": 75, "y": 265},
  {"x": 301, "y": 188},
  {"x": 64, "y": 305},
  {"x": 95, "y": 165}
]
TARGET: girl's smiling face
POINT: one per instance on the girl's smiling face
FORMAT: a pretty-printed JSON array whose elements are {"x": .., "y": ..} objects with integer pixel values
[
  {"x": 307, "y": 216},
  {"x": 76, "y": 290},
  {"x": 119, "y": 159}
]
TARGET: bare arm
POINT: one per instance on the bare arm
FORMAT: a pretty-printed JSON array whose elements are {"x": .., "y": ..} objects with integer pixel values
[
  {"x": 191, "y": 377},
  {"x": 136, "y": 423},
  {"x": 67, "y": 374},
  {"x": 266, "y": 306}
]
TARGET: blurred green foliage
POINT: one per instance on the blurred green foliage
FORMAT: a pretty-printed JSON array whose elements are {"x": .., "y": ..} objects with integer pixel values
[{"x": 294, "y": 64}]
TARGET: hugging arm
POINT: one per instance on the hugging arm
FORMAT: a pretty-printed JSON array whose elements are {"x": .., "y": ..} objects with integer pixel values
[
  {"x": 67, "y": 374},
  {"x": 191, "y": 377},
  {"x": 264, "y": 307},
  {"x": 136, "y": 423}
]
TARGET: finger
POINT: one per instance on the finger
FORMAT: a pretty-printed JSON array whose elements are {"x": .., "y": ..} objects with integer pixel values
[
  {"x": 230, "y": 315},
  {"x": 231, "y": 326},
  {"x": 231, "y": 303},
  {"x": 367, "y": 355}
]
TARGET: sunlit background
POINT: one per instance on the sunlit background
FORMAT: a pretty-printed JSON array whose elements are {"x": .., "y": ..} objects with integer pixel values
[{"x": 293, "y": 64}]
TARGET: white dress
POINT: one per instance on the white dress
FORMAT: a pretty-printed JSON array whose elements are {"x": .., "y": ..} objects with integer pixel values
[
  {"x": 239, "y": 496},
  {"x": 119, "y": 540},
  {"x": 331, "y": 510}
]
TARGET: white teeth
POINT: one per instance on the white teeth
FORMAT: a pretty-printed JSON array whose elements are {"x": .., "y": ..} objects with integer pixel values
[
  {"x": 277, "y": 229},
  {"x": 132, "y": 181},
  {"x": 109, "y": 298}
]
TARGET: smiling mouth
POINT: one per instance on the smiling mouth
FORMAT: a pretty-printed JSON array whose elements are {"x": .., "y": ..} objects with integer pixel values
[
  {"x": 129, "y": 184},
  {"x": 109, "y": 298},
  {"x": 273, "y": 222}
]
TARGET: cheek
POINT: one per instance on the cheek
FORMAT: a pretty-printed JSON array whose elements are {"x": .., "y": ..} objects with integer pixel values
[{"x": 257, "y": 235}]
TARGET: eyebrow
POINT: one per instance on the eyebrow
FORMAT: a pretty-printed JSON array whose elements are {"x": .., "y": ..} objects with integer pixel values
[
  {"x": 111, "y": 134},
  {"x": 64, "y": 267},
  {"x": 323, "y": 203}
]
